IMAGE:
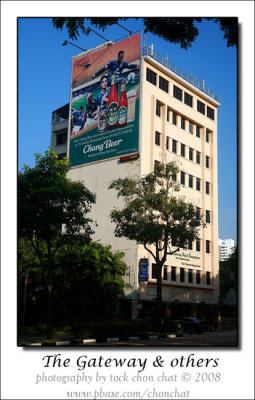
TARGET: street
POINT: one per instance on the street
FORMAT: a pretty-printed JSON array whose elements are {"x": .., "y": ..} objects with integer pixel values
[{"x": 207, "y": 339}]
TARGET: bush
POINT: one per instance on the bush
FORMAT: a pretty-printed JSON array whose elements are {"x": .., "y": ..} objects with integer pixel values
[{"x": 105, "y": 329}]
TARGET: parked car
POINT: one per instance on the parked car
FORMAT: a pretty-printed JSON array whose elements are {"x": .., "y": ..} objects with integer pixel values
[{"x": 192, "y": 324}]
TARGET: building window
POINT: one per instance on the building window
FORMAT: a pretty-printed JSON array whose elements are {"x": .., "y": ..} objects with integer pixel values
[
  {"x": 190, "y": 127},
  {"x": 156, "y": 164},
  {"x": 190, "y": 181},
  {"x": 157, "y": 138},
  {"x": 198, "y": 277},
  {"x": 207, "y": 217},
  {"x": 188, "y": 99},
  {"x": 198, "y": 212},
  {"x": 190, "y": 154},
  {"x": 165, "y": 273},
  {"x": 198, "y": 187},
  {"x": 198, "y": 157},
  {"x": 198, "y": 131},
  {"x": 61, "y": 138},
  {"x": 182, "y": 150},
  {"x": 177, "y": 93},
  {"x": 174, "y": 118},
  {"x": 190, "y": 276},
  {"x": 182, "y": 276},
  {"x": 207, "y": 246},
  {"x": 154, "y": 271},
  {"x": 182, "y": 178},
  {"x": 167, "y": 143},
  {"x": 200, "y": 107},
  {"x": 208, "y": 277},
  {"x": 210, "y": 113},
  {"x": 207, "y": 187},
  {"x": 198, "y": 245},
  {"x": 207, "y": 136},
  {"x": 158, "y": 109},
  {"x": 173, "y": 273},
  {"x": 174, "y": 178},
  {"x": 168, "y": 114},
  {"x": 174, "y": 146},
  {"x": 163, "y": 84},
  {"x": 183, "y": 123},
  {"x": 190, "y": 244},
  {"x": 207, "y": 161},
  {"x": 151, "y": 76}
]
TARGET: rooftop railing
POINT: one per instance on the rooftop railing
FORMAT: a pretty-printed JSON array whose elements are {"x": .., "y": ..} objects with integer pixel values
[{"x": 148, "y": 51}]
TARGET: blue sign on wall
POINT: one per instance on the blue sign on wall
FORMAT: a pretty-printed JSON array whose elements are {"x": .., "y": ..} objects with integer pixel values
[{"x": 143, "y": 270}]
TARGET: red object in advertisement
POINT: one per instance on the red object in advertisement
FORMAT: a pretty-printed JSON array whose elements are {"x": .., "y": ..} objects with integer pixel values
[
  {"x": 112, "y": 105},
  {"x": 122, "y": 106}
]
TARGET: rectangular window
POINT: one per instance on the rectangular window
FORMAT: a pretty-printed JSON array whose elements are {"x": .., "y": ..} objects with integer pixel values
[
  {"x": 157, "y": 138},
  {"x": 182, "y": 277},
  {"x": 190, "y": 244},
  {"x": 182, "y": 150},
  {"x": 198, "y": 157},
  {"x": 207, "y": 187},
  {"x": 182, "y": 178},
  {"x": 207, "y": 136},
  {"x": 174, "y": 177},
  {"x": 154, "y": 271},
  {"x": 200, "y": 107},
  {"x": 207, "y": 246},
  {"x": 188, "y": 99},
  {"x": 198, "y": 212},
  {"x": 168, "y": 114},
  {"x": 207, "y": 217},
  {"x": 61, "y": 138},
  {"x": 210, "y": 113},
  {"x": 207, "y": 161},
  {"x": 190, "y": 127},
  {"x": 198, "y": 131},
  {"x": 156, "y": 164},
  {"x": 190, "y": 276},
  {"x": 208, "y": 277},
  {"x": 173, "y": 273},
  {"x": 183, "y": 123},
  {"x": 177, "y": 93},
  {"x": 151, "y": 76},
  {"x": 190, "y": 181},
  {"x": 190, "y": 154},
  {"x": 198, "y": 186},
  {"x": 163, "y": 84},
  {"x": 198, "y": 277},
  {"x": 174, "y": 118},
  {"x": 158, "y": 109},
  {"x": 198, "y": 245},
  {"x": 165, "y": 273},
  {"x": 167, "y": 143},
  {"x": 174, "y": 146}
]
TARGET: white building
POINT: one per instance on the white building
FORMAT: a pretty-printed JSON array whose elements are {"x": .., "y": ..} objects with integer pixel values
[{"x": 226, "y": 248}]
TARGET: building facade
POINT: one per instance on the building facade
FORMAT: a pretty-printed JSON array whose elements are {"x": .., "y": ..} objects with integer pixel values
[
  {"x": 226, "y": 248},
  {"x": 177, "y": 122}
]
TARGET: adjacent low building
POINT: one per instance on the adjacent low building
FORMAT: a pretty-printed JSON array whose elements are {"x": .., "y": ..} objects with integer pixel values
[{"x": 175, "y": 120}]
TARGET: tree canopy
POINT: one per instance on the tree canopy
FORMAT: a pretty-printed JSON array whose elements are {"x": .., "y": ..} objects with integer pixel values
[
  {"x": 154, "y": 215},
  {"x": 47, "y": 201},
  {"x": 182, "y": 31},
  {"x": 229, "y": 273}
]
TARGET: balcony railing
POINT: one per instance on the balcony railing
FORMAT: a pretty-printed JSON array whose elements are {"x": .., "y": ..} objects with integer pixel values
[{"x": 148, "y": 51}]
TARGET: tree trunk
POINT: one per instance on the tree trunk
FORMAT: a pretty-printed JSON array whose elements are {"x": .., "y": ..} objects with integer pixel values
[
  {"x": 50, "y": 281},
  {"x": 159, "y": 308}
]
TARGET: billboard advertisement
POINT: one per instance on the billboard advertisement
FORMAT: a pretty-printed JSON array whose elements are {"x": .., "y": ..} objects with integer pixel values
[{"x": 105, "y": 102}]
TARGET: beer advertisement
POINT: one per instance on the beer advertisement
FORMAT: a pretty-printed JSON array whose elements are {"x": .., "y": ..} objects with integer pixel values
[{"x": 105, "y": 102}]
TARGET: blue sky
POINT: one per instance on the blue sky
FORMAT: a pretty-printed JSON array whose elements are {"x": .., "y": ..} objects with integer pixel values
[{"x": 44, "y": 71}]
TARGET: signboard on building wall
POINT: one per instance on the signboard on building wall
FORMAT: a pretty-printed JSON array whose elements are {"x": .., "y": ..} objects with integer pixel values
[
  {"x": 105, "y": 102},
  {"x": 143, "y": 270}
]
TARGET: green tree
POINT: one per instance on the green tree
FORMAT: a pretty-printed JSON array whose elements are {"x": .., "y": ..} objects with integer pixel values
[
  {"x": 182, "y": 31},
  {"x": 48, "y": 200},
  {"x": 90, "y": 281},
  {"x": 155, "y": 217},
  {"x": 229, "y": 273}
]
